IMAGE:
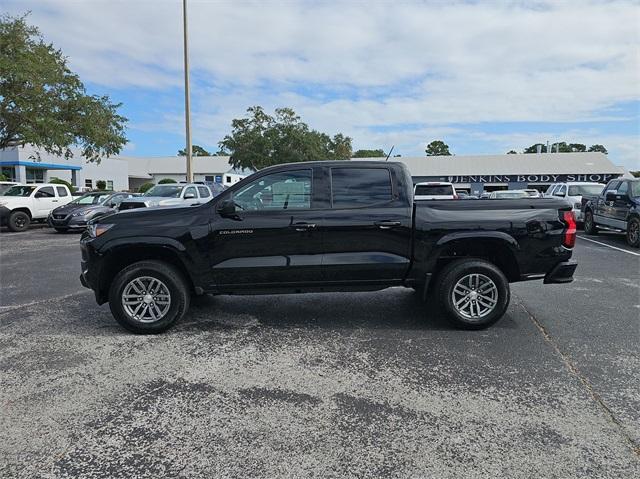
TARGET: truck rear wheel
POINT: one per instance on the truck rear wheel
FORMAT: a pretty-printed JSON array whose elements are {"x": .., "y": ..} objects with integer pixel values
[
  {"x": 589, "y": 223},
  {"x": 148, "y": 297},
  {"x": 633, "y": 232},
  {"x": 474, "y": 293},
  {"x": 18, "y": 221}
]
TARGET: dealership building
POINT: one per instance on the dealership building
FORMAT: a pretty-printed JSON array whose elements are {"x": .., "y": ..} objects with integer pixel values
[{"x": 475, "y": 173}]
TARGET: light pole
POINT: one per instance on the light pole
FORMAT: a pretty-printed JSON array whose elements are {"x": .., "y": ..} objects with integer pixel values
[{"x": 187, "y": 101}]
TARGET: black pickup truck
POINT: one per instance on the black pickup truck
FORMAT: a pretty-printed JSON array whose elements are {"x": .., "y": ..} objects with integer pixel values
[
  {"x": 617, "y": 208},
  {"x": 326, "y": 226}
]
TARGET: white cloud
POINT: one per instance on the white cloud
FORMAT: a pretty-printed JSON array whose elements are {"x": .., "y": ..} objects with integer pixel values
[{"x": 431, "y": 64}]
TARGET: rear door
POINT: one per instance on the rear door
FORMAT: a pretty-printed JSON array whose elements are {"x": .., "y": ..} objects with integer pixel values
[
  {"x": 367, "y": 226},
  {"x": 275, "y": 237},
  {"x": 604, "y": 208}
]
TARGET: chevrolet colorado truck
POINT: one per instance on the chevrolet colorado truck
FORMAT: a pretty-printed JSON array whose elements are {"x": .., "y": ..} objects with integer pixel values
[
  {"x": 326, "y": 226},
  {"x": 617, "y": 208}
]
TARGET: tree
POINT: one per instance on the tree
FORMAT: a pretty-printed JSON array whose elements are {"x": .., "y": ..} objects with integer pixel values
[
  {"x": 165, "y": 181},
  {"x": 379, "y": 153},
  {"x": 43, "y": 103},
  {"x": 598, "y": 148},
  {"x": 534, "y": 148},
  {"x": 101, "y": 185},
  {"x": 636, "y": 174},
  {"x": 577, "y": 147},
  {"x": 3, "y": 177},
  {"x": 437, "y": 148},
  {"x": 60, "y": 181},
  {"x": 262, "y": 140},
  {"x": 512, "y": 152},
  {"x": 144, "y": 187},
  {"x": 196, "y": 150}
]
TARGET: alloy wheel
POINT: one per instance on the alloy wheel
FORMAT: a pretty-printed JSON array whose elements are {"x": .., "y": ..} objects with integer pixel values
[
  {"x": 474, "y": 296},
  {"x": 146, "y": 299}
]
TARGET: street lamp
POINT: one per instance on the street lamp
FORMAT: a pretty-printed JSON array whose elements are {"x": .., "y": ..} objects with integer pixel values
[{"x": 187, "y": 106}]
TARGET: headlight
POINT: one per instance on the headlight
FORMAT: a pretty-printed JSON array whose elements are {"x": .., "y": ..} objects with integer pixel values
[
  {"x": 96, "y": 230},
  {"x": 578, "y": 206}
]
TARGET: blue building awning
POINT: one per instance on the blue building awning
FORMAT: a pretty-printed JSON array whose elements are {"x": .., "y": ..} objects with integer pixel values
[{"x": 38, "y": 164}]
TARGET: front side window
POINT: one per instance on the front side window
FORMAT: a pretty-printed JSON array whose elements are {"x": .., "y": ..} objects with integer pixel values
[
  {"x": 287, "y": 190},
  {"x": 635, "y": 189},
  {"x": 46, "y": 192},
  {"x": 204, "y": 191},
  {"x": 165, "y": 191},
  {"x": 623, "y": 189},
  {"x": 358, "y": 187},
  {"x": 191, "y": 191},
  {"x": 612, "y": 186},
  {"x": 62, "y": 191},
  {"x": 561, "y": 191}
]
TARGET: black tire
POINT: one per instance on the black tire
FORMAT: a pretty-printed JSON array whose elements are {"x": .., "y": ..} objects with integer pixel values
[
  {"x": 170, "y": 276},
  {"x": 633, "y": 232},
  {"x": 61, "y": 230},
  {"x": 589, "y": 223},
  {"x": 460, "y": 270},
  {"x": 18, "y": 221}
]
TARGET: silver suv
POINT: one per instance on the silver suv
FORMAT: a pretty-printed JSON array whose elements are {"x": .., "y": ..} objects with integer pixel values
[{"x": 170, "y": 194}]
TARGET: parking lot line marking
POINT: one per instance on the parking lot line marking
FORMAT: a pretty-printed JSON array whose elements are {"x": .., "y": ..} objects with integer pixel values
[{"x": 609, "y": 246}]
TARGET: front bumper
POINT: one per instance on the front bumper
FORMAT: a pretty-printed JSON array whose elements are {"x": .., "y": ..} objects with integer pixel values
[
  {"x": 68, "y": 222},
  {"x": 579, "y": 215},
  {"x": 90, "y": 267},
  {"x": 561, "y": 273}
]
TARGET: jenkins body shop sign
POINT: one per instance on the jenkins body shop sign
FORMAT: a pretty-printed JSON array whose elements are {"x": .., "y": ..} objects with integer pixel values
[{"x": 595, "y": 178}]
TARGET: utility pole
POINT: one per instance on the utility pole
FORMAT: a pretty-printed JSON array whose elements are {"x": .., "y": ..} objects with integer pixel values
[{"x": 187, "y": 101}]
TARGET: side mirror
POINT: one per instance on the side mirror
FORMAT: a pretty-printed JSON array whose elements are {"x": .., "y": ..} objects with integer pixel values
[
  {"x": 227, "y": 209},
  {"x": 189, "y": 196},
  {"x": 611, "y": 195}
]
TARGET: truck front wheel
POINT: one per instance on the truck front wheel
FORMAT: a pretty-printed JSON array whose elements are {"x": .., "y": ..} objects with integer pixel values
[
  {"x": 18, "y": 221},
  {"x": 474, "y": 293},
  {"x": 589, "y": 223},
  {"x": 149, "y": 297}
]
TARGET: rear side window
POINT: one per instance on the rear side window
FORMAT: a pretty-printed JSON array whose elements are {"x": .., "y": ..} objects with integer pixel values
[
  {"x": 61, "y": 191},
  {"x": 434, "y": 190},
  {"x": 204, "y": 191},
  {"x": 46, "y": 191},
  {"x": 357, "y": 187}
]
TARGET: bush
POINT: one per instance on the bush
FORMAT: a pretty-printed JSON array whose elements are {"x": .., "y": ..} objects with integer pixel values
[
  {"x": 164, "y": 181},
  {"x": 101, "y": 185},
  {"x": 58, "y": 181},
  {"x": 3, "y": 177},
  {"x": 145, "y": 187}
]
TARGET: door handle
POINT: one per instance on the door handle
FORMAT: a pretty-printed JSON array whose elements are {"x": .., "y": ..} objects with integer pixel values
[
  {"x": 385, "y": 225},
  {"x": 304, "y": 226},
  {"x": 54, "y": 201}
]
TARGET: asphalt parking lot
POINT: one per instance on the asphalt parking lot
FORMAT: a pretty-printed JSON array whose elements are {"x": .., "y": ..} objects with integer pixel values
[{"x": 329, "y": 385}]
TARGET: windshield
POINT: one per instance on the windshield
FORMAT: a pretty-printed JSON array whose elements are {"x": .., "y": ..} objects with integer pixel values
[
  {"x": 4, "y": 188},
  {"x": 93, "y": 199},
  {"x": 581, "y": 190},
  {"x": 635, "y": 189},
  {"x": 166, "y": 191},
  {"x": 434, "y": 190},
  {"x": 22, "y": 190}
]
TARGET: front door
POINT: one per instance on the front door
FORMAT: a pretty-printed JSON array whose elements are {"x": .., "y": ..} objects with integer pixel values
[
  {"x": 274, "y": 238},
  {"x": 367, "y": 227},
  {"x": 45, "y": 200}
]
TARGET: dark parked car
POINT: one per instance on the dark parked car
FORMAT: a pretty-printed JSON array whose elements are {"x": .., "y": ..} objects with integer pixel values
[
  {"x": 325, "y": 226},
  {"x": 76, "y": 214},
  {"x": 617, "y": 208}
]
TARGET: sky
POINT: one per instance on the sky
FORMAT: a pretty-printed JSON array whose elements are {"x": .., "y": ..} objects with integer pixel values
[{"x": 483, "y": 76}]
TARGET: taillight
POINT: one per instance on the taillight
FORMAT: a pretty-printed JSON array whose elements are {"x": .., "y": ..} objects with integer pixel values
[{"x": 569, "y": 237}]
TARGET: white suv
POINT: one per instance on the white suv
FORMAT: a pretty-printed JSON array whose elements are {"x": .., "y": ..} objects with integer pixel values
[
  {"x": 573, "y": 192},
  {"x": 21, "y": 204},
  {"x": 170, "y": 194}
]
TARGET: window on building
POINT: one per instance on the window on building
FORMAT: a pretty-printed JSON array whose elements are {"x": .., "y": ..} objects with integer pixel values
[
  {"x": 209, "y": 178},
  {"x": 358, "y": 187},
  {"x": 204, "y": 192},
  {"x": 277, "y": 191},
  {"x": 62, "y": 191},
  {"x": 88, "y": 183},
  {"x": 9, "y": 172},
  {"x": 110, "y": 185},
  {"x": 35, "y": 175},
  {"x": 228, "y": 179}
]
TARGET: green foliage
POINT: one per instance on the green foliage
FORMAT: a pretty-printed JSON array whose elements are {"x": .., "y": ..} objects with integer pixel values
[
  {"x": 635, "y": 173},
  {"x": 165, "y": 181},
  {"x": 437, "y": 148},
  {"x": 261, "y": 140},
  {"x": 369, "y": 154},
  {"x": 59, "y": 181},
  {"x": 512, "y": 152},
  {"x": 534, "y": 148},
  {"x": 598, "y": 148},
  {"x": 3, "y": 177},
  {"x": 43, "y": 103},
  {"x": 196, "y": 150},
  {"x": 144, "y": 187},
  {"x": 101, "y": 185}
]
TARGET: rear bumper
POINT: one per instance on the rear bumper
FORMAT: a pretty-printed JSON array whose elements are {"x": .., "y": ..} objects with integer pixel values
[{"x": 561, "y": 273}]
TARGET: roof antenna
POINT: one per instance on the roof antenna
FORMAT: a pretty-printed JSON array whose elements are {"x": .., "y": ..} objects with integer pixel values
[{"x": 389, "y": 152}]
